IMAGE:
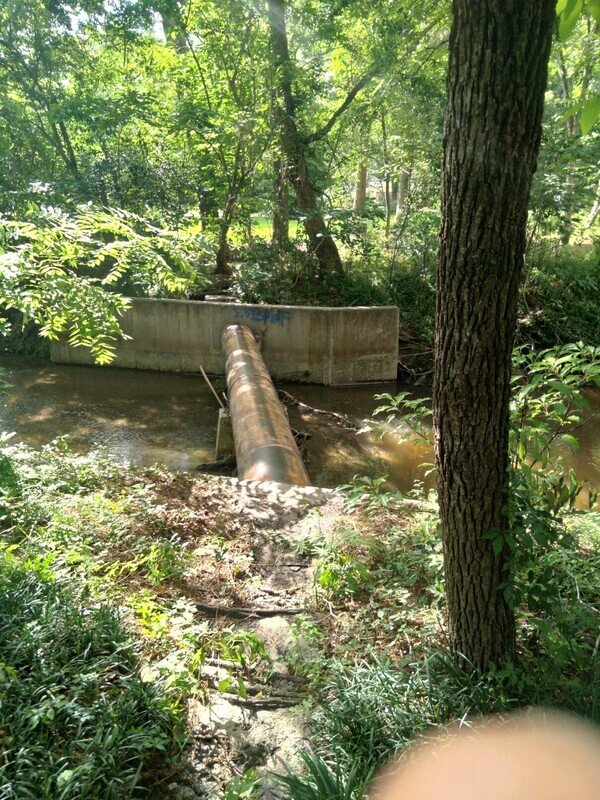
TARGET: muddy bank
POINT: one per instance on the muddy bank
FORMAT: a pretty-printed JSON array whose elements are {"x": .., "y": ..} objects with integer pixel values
[{"x": 247, "y": 719}]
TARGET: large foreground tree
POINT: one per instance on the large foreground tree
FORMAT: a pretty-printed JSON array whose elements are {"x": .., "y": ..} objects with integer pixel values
[{"x": 499, "y": 51}]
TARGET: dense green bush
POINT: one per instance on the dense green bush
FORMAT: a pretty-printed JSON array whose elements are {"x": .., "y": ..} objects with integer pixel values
[
  {"x": 76, "y": 720},
  {"x": 559, "y": 297}
]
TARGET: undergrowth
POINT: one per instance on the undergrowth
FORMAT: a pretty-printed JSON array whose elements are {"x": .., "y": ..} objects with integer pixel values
[
  {"x": 76, "y": 718},
  {"x": 557, "y": 302},
  {"x": 82, "y": 536},
  {"x": 385, "y": 676}
]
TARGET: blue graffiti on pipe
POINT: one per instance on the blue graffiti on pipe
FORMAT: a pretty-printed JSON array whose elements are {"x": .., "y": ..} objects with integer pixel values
[{"x": 276, "y": 316}]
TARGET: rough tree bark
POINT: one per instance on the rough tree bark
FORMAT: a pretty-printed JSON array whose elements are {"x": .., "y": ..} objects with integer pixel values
[
  {"x": 295, "y": 147},
  {"x": 499, "y": 52}
]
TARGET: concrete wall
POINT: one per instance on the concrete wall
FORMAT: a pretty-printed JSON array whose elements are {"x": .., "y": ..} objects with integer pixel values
[{"x": 299, "y": 343}]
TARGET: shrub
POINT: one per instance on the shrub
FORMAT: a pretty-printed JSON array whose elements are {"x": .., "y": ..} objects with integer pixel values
[{"x": 76, "y": 719}]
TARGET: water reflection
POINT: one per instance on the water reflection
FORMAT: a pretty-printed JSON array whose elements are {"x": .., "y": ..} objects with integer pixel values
[
  {"x": 145, "y": 417},
  {"x": 344, "y": 456},
  {"x": 139, "y": 417}
]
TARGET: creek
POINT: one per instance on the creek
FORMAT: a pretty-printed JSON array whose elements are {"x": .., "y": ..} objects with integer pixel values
[{"x": 145, "y": 417}]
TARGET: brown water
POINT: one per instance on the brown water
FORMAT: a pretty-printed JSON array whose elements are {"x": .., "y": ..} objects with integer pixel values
[{"x": 145, "y": 417}]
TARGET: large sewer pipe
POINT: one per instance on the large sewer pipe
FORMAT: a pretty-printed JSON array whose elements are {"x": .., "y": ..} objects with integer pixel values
[{"x": 265, "y": 449}]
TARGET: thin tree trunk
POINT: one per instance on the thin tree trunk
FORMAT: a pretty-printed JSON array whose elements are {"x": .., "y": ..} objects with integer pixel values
[
  {"x": 294, "y": 146},
  {"x": 222, "y": 267},
  {"x": 571, "y": 123},
  {"x": 387, "y": 196},
  {"x": 360, "y": 191},
  {"x": 281, "y": 213},
  {"x": 403, "y": 187},
  {"x": 497, "y": 74},
  {"x": 595, "y": 210}
]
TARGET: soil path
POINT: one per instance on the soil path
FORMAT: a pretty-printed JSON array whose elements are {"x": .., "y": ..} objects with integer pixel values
[{"x": 259, "y": 722}]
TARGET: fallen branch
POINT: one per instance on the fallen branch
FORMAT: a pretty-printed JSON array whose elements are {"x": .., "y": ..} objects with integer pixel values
[
  {"x": 211, "y": 387},
  {"x": 245, "y": 613},
  {"x": 260, "y": 704},
  {"x": 341, "y": 419}
]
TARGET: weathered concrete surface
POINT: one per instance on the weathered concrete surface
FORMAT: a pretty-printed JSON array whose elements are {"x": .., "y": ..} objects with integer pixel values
[{"x": 299, "y": 343}]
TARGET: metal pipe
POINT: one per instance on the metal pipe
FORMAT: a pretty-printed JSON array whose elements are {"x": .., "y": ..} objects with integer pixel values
[{"x": 264, "y": 445}]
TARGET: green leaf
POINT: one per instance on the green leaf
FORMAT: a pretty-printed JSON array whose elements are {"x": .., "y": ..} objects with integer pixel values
[
  {"x": 570, "y": 440},
  {"x": 498, "y": 544},
  {"x": 569, "y": 17},
  {"x": 560, "y": 387},
  {"x": 593, "y": 8},
  {"x": 590, "y": 114}
]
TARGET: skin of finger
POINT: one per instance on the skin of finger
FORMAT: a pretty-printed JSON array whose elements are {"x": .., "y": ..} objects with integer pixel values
[{"x": 549, "y": 759}]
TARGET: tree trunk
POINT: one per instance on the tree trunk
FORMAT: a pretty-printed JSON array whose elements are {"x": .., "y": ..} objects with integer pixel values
[
  {"x": 174, "y": 35},
  {"x": 387, "y": 187},
  {"x": 281, "y": 213},
  {"x": 223, "y": 253},
  {"x": 403, "y": 187},
  {"x": 360, "y": 191},
  {"x": 595, "y": 210},
  {"x": 497, "y": 74},
  {"x": 295, "y": 148}
]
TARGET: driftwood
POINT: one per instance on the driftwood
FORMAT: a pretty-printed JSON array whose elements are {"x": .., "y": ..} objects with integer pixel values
[
  {"x": 246, "y": 613},
  {"x": 289, "y": 400},
  {"x": 415, "y": 361},
  {"x": 223, "y": 466},
  {"x": 260, "y": 704}
]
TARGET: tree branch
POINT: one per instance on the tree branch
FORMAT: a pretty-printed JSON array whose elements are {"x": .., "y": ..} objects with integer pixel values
[{"x": 322, "y": 132}]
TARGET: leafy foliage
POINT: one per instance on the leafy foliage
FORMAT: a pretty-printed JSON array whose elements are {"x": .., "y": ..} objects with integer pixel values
[
  {"x": 547, "y": 407},
  {"x": 61, "y": 271},
  {"x": 558, "y": 298},
  {"x": 77, "y": 720}
]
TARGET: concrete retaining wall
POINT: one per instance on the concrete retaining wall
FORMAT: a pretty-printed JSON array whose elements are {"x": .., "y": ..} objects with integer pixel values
[{"x": 299, "y": 343}]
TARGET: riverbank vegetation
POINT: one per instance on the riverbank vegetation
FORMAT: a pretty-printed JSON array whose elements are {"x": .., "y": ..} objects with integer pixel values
[
  {"x": 154, "y": 164},
  {"x": 291, "y": 152},
  {"x": 117, "y": 584}
]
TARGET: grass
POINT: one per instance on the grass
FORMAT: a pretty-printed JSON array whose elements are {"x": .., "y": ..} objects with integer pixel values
[
  {"x": 262, "y": 228},
  {"x": 384, "y": 677},
  {"x": 76, "y": 718},
  {"x": 86, "y": 714}
]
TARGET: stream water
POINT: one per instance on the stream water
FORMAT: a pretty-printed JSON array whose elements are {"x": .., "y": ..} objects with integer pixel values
[{"x": 145, "y": 417}]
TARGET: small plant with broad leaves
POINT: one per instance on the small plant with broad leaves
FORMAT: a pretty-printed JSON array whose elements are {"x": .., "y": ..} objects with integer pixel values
[
  {"x": 243, "y": 786},
  {"x": 369, "y": 494},
  {"x": 548, "y": 406},
  {"x": 409, "y": 416}
]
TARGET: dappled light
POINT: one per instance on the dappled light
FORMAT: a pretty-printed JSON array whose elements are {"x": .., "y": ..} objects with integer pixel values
[{"x": 299, "y": 399}]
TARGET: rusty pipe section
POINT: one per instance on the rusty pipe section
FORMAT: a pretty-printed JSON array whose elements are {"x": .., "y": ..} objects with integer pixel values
[{"x": 265, "y": 449}]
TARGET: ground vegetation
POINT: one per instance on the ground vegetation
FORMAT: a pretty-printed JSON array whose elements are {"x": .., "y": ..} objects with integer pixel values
[
  {"x": 292, "y": 152},
  {"x": 172, "y": 592}
]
